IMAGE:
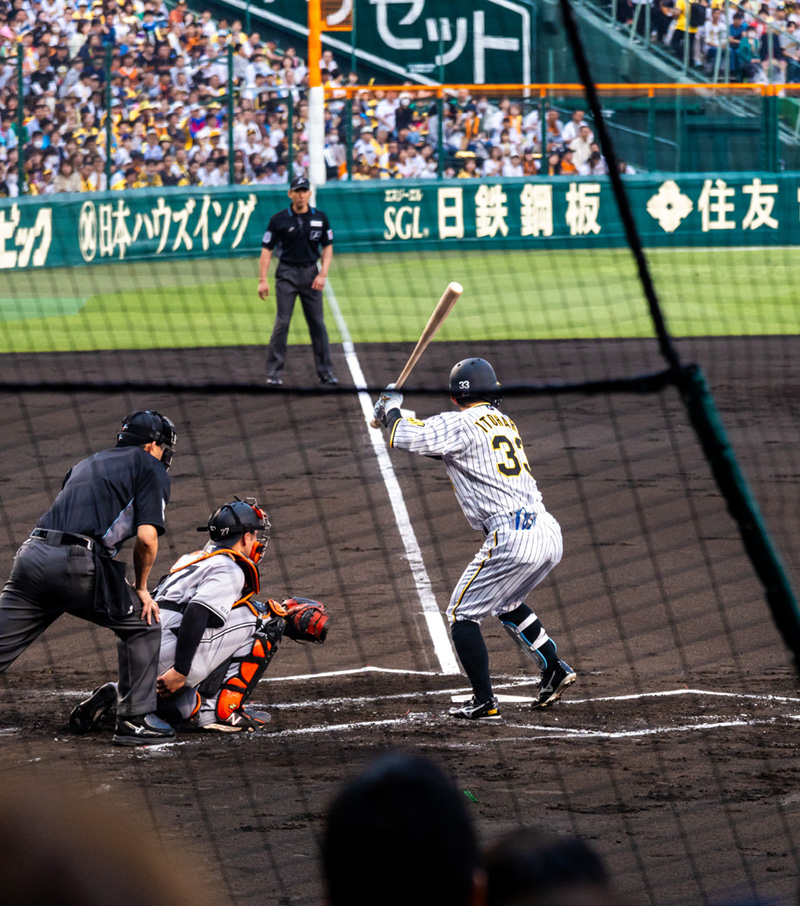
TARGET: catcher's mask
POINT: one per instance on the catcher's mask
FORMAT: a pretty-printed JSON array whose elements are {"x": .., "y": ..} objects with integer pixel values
[
  {"x": 473, "y": 380},
  {"x": 232, "y": 520},
  {"x": 140, "y": 428}
]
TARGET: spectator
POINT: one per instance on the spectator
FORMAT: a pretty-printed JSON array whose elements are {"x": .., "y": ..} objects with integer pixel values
[
  {"x": 791, "y": 52},
  {"x": 572, "y": 129},
  {"x": 553, "y": 167},
  {"x": 595, "y": 165},
  {"x": 735, "y": 38},
  {"x": 567, "y": 162},
  {"x": 553, "y": 128},
  {"x": 470, "y": 169},
  {"x": 5, "y": 186},
  {"x": 582, "y": 145},
  {"x": 400, "y": 806},
  {"x": 750, "y": 55},
  {"x": 513, "y": 167},
  {"x": 538, "y": 868},
  {"x": 530, "y": 165},
  {"x": 715, "y": 38},
  {"x": 68, "y": 180}
]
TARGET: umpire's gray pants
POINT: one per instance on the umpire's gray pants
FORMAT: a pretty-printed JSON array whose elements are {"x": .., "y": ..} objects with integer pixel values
[
  {"x": 291, "y": 282},
  {"x": 47, "y": 581}
]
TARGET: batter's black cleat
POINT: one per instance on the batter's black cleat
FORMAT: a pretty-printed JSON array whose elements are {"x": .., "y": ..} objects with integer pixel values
[
  {"x": 555, "y": 681},
  {"x": 475, "y": 710},
  {"x": 329, "y": 379},
  {"x": 142, "y": 730},
  {"x": 87, "y": 715},
  {"x": 242, "y": 720}
]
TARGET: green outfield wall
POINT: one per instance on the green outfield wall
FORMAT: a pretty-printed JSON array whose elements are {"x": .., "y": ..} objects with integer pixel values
[{"x": 742, "y": 209}]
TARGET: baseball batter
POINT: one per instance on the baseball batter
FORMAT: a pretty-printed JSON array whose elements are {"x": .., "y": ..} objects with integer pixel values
[
  {"x": 217, "y": 640},
  {"x": 493, "y": 482}
]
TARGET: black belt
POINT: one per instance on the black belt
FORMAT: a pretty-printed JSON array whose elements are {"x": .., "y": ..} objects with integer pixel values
[
  {"x": 54, "y": 538},
  {"x": 171, "y": 605}
]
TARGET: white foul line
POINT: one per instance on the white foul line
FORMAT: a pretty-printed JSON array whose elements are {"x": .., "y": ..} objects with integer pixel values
[{"x": 430, "y": 609}]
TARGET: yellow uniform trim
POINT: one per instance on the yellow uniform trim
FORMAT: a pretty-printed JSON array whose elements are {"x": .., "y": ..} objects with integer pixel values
[{"x": 477, "y": 573}]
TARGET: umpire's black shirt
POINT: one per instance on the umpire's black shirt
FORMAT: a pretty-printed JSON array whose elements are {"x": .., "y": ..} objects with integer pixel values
[
  {"x": 297, "y": 237},
  {"x": 109, "y": 495}
]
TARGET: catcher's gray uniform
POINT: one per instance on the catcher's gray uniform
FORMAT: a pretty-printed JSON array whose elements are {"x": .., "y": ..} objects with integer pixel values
[
  {"x": 492, "y": 479},
  {"x": 217, "y": 580}
]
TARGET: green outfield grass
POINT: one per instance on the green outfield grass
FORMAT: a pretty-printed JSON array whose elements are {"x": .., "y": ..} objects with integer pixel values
[{"x": 388, "y": 297}]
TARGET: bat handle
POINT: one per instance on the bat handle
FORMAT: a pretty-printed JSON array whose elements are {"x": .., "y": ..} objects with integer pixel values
[{"x": 374, "y": 423}]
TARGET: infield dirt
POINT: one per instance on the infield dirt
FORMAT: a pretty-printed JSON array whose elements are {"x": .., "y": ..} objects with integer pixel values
[{"x": 674, "y": 754}]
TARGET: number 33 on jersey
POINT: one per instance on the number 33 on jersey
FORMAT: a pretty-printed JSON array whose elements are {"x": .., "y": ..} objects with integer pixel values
[{"x": 484, "y": 457}]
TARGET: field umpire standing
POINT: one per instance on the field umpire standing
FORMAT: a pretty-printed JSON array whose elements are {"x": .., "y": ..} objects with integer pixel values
[
  {"x": 296, "y": 234},
  {"x": 66, "y": 565}
]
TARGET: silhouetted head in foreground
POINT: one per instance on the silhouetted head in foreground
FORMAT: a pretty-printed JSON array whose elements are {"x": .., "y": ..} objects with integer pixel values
[{"x": 399, "y": 833}]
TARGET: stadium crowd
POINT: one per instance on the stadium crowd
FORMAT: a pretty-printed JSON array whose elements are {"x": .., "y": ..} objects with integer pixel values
[
  {"x": 164, "y": 74},
  {"x": 758, "y": 40}
]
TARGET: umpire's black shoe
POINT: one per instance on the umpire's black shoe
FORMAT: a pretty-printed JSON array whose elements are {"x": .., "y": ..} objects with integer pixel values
[
  {"x": 87, "y": 714},
  {"x": 143, "y": 730},
  {"x": 329, "y": 379},
  {"x": 274, "y": 380},
  {"x": 555, "y": 681},
  {"x": 475, "y": 710}
]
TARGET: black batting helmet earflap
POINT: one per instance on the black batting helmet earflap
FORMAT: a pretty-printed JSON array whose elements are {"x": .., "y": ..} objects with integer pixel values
[
  {"x": 144, "y": 427},
  {"x": 474, "y": 379}
]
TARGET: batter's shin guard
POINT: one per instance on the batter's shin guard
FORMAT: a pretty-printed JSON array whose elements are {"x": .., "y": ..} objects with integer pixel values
[
  {"x": 527, "y": 631},
  {"x": 238, "y": 688}
]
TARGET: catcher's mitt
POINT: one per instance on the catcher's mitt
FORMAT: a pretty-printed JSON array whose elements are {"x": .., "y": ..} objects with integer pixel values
[{"x": 306, "y": 620}]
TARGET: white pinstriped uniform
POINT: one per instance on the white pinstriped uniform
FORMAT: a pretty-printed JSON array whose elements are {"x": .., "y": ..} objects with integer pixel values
[{"x": 494, "y": 485}]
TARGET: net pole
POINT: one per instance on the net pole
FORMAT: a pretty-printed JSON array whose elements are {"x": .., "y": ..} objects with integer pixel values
[
  {"x": 20, "y": 123},
  {"x": 348, "y": 136},
  {"x": 439, "y": 133},
  {"x": 316, "y": 97},
  {"x": 109, "y": 123},
  {"x": 230, "y": 116}
]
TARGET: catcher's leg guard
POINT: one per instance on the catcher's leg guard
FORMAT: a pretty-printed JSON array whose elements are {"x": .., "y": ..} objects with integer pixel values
[
  {"x": 238, "y": 688},
  {"x": 526, "y": 629}
]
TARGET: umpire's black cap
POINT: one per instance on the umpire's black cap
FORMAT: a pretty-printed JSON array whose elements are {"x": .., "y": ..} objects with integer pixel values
[{"x": 300, "y": 182}]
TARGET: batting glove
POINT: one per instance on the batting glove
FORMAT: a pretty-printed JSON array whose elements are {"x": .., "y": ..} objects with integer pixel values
[
  {"x": 389, "y": 399},
  {"x": 392, "y": 399}
]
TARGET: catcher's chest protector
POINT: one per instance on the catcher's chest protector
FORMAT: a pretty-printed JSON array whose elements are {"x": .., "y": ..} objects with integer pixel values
[{"x": 251, "y": 579}]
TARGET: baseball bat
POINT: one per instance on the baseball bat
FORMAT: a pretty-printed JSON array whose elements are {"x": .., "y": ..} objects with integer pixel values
[{"x": 443, "y": 308}]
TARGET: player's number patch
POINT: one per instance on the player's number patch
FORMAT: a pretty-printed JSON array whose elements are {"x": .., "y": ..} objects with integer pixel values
[{"x": 515, "y": 460}]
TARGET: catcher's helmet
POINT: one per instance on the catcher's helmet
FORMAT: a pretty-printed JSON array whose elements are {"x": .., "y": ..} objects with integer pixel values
[
  {"x": 232, "y": 520},
  {"x": 474, "y": 379},
  {"x": 140, "y": 428}
]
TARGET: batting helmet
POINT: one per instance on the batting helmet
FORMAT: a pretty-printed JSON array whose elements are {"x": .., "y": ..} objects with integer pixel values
[
  {"x": 140, "y": 428},
  {"x": 474, "y": 379},
  {"x": 232, "y": 520}
]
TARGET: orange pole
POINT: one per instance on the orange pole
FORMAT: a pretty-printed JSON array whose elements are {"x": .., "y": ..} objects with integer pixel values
[{"x": 314, "y": 44}]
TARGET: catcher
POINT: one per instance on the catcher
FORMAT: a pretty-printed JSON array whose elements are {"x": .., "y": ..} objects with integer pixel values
[{"x": 216, "y": 639}]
